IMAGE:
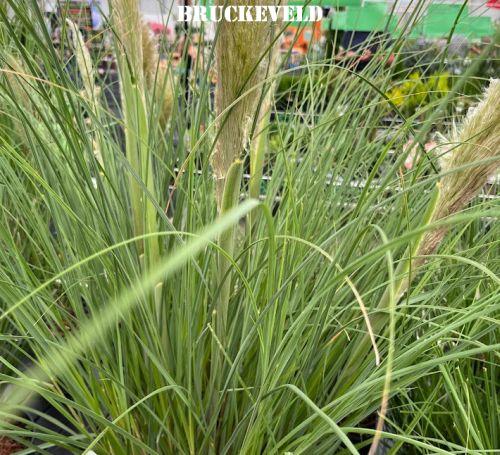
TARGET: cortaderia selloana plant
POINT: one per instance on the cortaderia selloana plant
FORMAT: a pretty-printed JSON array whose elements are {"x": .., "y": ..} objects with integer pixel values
[{"x": 105, "y": 349}]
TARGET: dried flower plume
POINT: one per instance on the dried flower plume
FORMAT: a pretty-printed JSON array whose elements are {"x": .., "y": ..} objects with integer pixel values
[
  {"x": 83, "y": 59},
  {"x": 150, "y": 55},
  {"x": 157, "y": 76},
  {"x": 127, "y": 22},
  {"x": 14, "y": 73},
  {"x": 476, "y": 157},
  {"x": 240, "y": 66}
]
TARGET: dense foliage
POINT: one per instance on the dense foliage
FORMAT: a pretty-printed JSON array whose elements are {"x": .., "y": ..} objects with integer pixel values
[{"x": 110, "y": 266}]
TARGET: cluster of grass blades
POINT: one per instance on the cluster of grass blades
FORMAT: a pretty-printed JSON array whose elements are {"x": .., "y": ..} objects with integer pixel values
[{"x": 117, "y": 257}]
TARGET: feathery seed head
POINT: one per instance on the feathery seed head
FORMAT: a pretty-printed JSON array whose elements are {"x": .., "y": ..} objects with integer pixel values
[
  {"x": 478, "y": 150},
  {"x": 83, "y": 60},
  {"x": 165, "y": 86},
  {"x": 150, "y": 55},
  {"x": 476, "y": 157},
  {"x": 128, "y": 25},
  {"x": 240, "y": 66},
  {"x": 155, "y": 73}
]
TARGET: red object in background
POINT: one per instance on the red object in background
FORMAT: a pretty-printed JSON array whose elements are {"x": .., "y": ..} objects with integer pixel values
[
  {"x": 301, "y": 40},
  {"x": 493, "y": 4},
  {"x": 8, "y": 446}
]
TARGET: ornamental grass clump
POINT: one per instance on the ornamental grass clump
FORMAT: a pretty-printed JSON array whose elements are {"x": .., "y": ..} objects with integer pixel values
[
  {"x": 473, "y": 157},
  {"x": 105, "y": 350}
]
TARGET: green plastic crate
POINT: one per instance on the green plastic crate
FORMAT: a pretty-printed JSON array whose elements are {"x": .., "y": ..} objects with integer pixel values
[
  {"x": 392, "y": 23},
  {"x": 369, "y": 18},
  {"x": 417, "y": 31},
  {"x": 439, "y": 27},
  {"x": 440, "y": 19},
  {"x": 446, "y": 9},
  {"x": 339, "y": 20},
  {"x": 476, "y": 27},
  {"x": 326, "y": 24},
  {"x": 339, "y": 3},
  {"x": 324, "y": 3}
]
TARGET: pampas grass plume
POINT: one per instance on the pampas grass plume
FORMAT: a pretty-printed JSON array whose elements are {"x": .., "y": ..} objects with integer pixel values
[{"x": 467, "y": 166}]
